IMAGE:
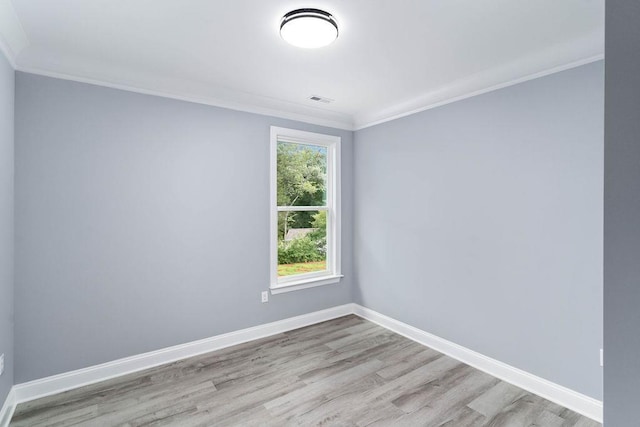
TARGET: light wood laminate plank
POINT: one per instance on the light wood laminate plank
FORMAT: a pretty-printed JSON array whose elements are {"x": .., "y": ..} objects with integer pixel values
[{"x": 343, "y": 372}]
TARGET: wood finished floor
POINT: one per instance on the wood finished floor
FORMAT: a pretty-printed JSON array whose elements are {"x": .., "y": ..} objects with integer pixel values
[{"x": 344, "y": 372}]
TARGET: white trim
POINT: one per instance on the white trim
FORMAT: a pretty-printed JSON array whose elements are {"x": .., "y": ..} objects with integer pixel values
[
  {"x": 8, "y": 408},
  {"x": 301, "y": 208},
  {"x": 563, "y": 396},
  {"x": 305, "y": 284},
  {"x": 556, "y": 393},
  {"x": 302, "y": 278},
  {"x": 255, "y": 104},
  {"x": 487, "y": 81},
  {"x": 62, "y": 382},
  {"x": 13, "y": 38},
  {"x": 457, "y": 91},
  {"x": 333, "y": 272}
]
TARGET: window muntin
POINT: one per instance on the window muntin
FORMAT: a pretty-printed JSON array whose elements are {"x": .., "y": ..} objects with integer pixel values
[{"x": 305, "y": 220}]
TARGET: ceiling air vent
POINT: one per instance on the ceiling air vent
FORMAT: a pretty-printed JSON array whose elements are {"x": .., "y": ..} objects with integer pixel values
[{"x": 320, "y": 99}]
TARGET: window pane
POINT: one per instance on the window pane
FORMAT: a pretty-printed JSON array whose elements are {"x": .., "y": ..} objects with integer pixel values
[
  {"x": 302, "y": 175},
  {"x": 302, "y": 242}
]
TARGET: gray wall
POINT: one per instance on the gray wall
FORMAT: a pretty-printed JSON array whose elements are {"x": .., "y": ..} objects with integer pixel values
[
  {"x": 6, "y": 223},
  {"x": 481, "y": 222},
  {"x": 622, "y": 215},
  {"x": 143, "y": 222}
]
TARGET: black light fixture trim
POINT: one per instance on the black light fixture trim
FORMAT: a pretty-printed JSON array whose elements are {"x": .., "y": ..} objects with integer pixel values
[{"x": 309, "y": 13}]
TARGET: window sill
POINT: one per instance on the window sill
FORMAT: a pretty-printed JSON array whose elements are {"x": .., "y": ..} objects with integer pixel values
[{"x": 305, "y": 283}]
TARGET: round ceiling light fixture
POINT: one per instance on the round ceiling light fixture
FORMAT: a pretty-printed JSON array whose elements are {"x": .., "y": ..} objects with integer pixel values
[{"x": 308, "y": 28}]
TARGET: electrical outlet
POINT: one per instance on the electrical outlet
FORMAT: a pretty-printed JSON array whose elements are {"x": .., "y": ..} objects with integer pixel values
[
  {"x": 601, "y": 357},
  {"x": 1, "y": 363},
  {"x": 265, "y": 296}
]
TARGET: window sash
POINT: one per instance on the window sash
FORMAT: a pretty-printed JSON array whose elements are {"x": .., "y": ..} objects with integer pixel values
[
  {"x": 329, "y": 259},
  {"x": 302, "y": 208},
  {"x": 330, "y": 158}
]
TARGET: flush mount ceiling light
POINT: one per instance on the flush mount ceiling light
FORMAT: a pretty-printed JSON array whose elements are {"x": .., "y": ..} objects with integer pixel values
[{"x": 308, "y": 28}]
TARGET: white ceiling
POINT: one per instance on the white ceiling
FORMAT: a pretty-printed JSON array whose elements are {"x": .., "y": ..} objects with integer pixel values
[{"x": 392, "y": 57}]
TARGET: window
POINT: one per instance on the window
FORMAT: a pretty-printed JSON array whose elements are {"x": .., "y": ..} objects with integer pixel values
[{"x": 305, "y": 209}]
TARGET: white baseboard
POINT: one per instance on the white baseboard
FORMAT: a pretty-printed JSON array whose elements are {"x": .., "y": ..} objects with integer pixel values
[
  {"x": 69, "y": 380},
  {"x": 563, "y": 396},
  {"x": 7, "y": 408},
  {"x": 24, "y": 392}
]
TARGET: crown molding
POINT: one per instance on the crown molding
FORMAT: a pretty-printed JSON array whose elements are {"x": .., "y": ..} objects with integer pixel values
[
  {"x": 458, "y": 91},
  {"x": 252, "y": 103},
  {"x": 13, "y": 38},
  {"x": 13, "y": 41},
  {"x": 406, "y": 109},
  {"x": 553, "y": 60}
]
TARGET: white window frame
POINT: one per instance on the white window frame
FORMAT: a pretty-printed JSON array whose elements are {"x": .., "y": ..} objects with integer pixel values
[{"x": 332, "y": 274}]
